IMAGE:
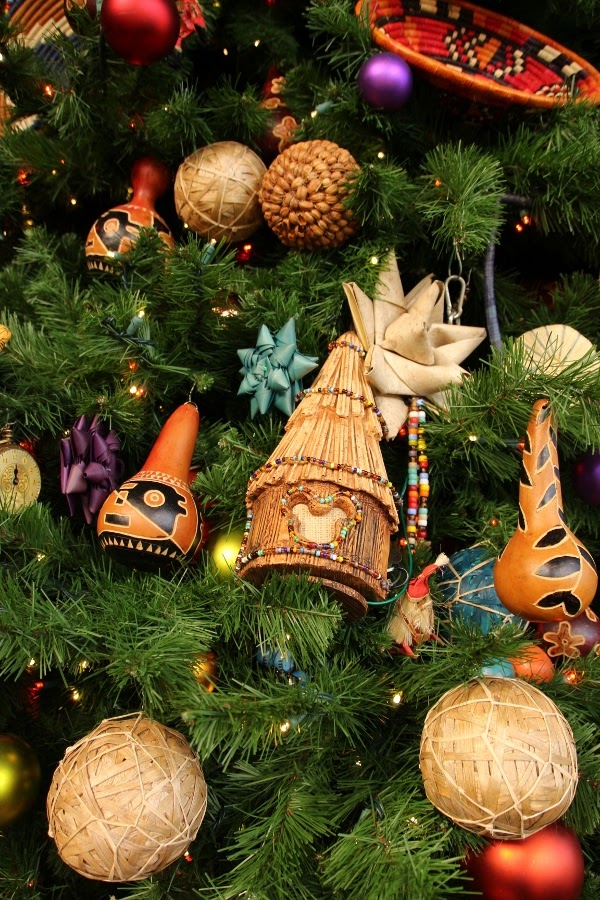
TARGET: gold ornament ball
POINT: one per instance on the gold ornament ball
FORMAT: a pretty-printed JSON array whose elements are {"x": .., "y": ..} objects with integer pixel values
[
  {"x": 19, "y": 777},
  {"x": 205, "y": 669},
  {"x": 303, "y": 195},
  {"x": 224, "y": 551},
  {"x": 498, "y": 758},
  {"x": 5, "y": 336},
  {"x": 216, "y": 191},
  {"x": 126, "y": 800}
]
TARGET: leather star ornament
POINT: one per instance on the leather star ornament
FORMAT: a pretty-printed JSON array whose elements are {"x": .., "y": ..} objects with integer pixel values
[
  {"x": 410, "y": 351},
  {"x": 272, "y": 370}
]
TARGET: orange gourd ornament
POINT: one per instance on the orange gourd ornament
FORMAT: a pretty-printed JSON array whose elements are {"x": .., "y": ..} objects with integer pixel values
[
  {"x": 153, "y": 521},
  {"x": 544, "y": 573},
  {"x": 113, "y": 234}
]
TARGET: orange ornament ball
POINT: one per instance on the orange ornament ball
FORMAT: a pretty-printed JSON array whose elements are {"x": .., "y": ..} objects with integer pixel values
[{"x": 533, "y": 664}]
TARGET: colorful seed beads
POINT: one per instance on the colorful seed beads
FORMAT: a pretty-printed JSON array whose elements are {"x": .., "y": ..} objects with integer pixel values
[
  {"x": 368, "y": 404},
  {"x": 333, "y": 467},
  {"x": 300, "y": 493},
  {"x": 418, "y": 475},
  {"x": 362, "y": 353},
  {"x": 244, "y": 558}
]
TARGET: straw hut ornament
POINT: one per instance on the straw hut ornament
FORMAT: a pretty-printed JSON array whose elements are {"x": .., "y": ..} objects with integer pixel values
[{"x": 322, "y": 503}]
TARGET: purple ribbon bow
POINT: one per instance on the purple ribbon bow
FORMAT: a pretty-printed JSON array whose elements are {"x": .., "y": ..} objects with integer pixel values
[{"x": 90, "y": 466}]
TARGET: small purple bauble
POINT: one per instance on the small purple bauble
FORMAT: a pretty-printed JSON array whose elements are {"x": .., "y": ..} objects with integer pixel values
[
  {"x": 587, "y": 477},
  {"x": 385, "y": 81}
]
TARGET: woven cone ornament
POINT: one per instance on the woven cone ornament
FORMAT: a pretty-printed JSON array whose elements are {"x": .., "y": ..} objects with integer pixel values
[
  {"x": 322, "y": 504},
  {"x": 410, "y": 351},
  {"x": 544, "y": 573}
]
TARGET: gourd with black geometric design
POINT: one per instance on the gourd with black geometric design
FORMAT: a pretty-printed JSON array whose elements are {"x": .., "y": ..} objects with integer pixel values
[{"x": 544, "y": 573}]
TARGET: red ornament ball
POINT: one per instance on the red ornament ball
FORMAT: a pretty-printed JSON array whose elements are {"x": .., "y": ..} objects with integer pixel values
[
  {"x": 142, "y": 33},
  {"x": 547, "y": 865},
  {"x": 574, "y": 639}
]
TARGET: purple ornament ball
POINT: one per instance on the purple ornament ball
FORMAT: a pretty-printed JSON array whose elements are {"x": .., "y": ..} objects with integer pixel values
[
  {"x": 587, "y": 477},
  {"x": 385, "y": 81}
]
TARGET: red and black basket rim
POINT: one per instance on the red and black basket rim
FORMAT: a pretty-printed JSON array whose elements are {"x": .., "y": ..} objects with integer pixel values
[{"x": 481, "y": 54}]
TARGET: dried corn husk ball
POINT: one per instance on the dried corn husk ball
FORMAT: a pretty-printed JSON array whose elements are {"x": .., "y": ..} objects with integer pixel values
[
  {"x": 126, "y": 800},
  {"x": 302, "y": 195},
  {"x": 216, "y": 191},
  {"x": 498, "y": 758}
]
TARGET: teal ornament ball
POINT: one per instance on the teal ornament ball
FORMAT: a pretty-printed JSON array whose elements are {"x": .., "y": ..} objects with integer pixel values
[{"x": 466, "y": 585}]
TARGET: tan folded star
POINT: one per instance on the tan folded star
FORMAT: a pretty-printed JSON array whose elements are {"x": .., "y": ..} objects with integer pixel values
[{"x": 410, "y": 351}]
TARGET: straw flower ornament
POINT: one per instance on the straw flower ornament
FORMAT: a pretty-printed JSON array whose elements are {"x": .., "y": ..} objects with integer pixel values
[{"x": 410, "y": 351}]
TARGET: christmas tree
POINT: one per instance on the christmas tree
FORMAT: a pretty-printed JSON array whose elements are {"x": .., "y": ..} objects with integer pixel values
[{"x": 199, "y": 207}]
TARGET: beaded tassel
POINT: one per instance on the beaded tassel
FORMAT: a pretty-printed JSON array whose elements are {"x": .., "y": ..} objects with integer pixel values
[{"x": 418, "y": 475}]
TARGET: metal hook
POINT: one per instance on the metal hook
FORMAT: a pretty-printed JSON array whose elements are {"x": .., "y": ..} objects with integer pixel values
[{"x": 454, "y": 310}]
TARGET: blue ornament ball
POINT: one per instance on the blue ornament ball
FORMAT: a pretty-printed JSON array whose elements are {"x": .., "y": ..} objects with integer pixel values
[
  {"x": 498, "y": 668},
  {"x": 466, "y": 583},
  {"x": 385, "y": 81}
]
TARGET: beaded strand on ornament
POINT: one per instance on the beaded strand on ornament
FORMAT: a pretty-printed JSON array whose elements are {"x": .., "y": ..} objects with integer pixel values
[{"x": 418, "y": 474}]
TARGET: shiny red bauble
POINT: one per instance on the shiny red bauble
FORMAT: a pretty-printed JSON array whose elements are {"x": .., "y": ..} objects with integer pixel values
[
  {"x": 142, "y": 33},
  {"x": 547, "y": 865}
]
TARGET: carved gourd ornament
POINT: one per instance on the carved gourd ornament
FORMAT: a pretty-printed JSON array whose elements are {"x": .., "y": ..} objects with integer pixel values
[
  {"x": 544, "y": 573},
  {"x": 152, "y": 521}
]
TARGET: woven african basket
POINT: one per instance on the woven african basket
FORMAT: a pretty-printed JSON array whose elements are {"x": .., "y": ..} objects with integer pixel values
[
  {"x": 126, "y": 800},
  {"x": 36, "y": 18},
  {"x": 216, "y": 191},
  {"x": 479, "y": 54},
  {"x": 303, "y": 193},
  {"x": 498, "y": 758}
]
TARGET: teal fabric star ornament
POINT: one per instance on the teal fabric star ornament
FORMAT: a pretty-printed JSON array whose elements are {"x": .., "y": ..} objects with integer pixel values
[{"x": 273, "y": 370}]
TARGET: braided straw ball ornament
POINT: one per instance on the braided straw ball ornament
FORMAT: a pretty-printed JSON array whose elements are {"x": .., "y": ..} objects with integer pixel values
[
  {"x": 302, "y": 195},
  {"x": 498, "y": 758},
  {"x": 216, "y": 191},
  {"x": 126, "y": 800}
]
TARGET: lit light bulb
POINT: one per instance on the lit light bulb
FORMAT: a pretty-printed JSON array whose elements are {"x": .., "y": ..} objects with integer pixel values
[
  {"x": 381, "y": 155},
  {"x": 397, "y": 698},
  {"x": 374, "y": 260},
  {"x": 73, "y": 201},
  {"x": 75, "y": 695},
  {"x": 284, "y": 727},
  {"x": 473, "y": 438}
]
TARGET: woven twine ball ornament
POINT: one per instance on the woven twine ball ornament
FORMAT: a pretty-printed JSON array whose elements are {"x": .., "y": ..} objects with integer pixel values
[
  {"x": 216, "y": 191},
  {"x": 302, "y": 195},
  {"x": 126, "y": 800},
  {"x": 498, "y": 758}
]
